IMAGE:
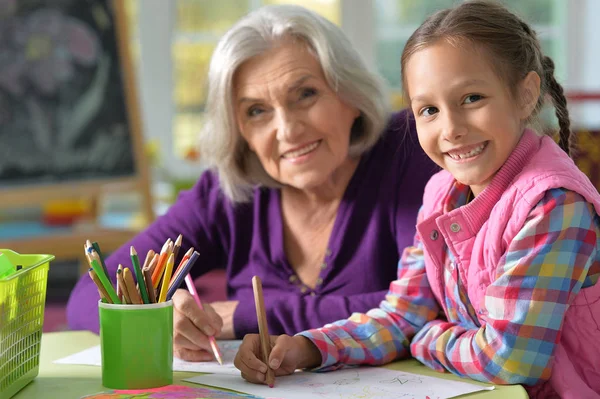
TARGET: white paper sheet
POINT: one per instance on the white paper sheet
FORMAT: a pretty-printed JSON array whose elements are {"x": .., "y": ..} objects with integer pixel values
[
  {"x": 371, "y": 383},
  {"x": 93, "y": 357}
]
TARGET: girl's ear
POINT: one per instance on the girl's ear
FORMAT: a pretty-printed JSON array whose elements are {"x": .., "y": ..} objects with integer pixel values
[{"x": 530, "y": 93}]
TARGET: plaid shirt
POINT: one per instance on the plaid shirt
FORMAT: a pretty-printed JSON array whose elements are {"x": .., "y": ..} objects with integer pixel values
[{"x": 535, "y": 283}]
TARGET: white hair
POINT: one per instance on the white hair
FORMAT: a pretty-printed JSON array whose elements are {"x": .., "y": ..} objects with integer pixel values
[{"x": 221, "y": 143}]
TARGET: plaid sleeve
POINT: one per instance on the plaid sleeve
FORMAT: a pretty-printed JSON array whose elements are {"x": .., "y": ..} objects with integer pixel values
[
  {"x": 381, "y": 335},
  {"x": 536, "y": 281}
]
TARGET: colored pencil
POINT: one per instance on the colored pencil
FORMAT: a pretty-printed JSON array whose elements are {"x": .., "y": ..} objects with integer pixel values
[
  {"x": 184, "y": 260},
  {"x": 149, "y": 257},
  {"x": 177, "y": 246},
  {"x": 96, "y": 247},
  {"x": 160, "y": 265},
  {"x": 185, "y": 270},
  {"x": 152, "y": 265},
  {"x": 101, "y": 289},
  {"x": 130, "y": 284},
  {"x": 166, "y": 278},
  {"x": 138, "y": 274},
  {"x": 151, "y": 292},
  {"x": 105, "y": 281},
  {"x": 263, "y": 330},
  {"x": 123, "y": 286},
  {"x": 120, "y": 288},
  {"x": 213, "y": 342}
]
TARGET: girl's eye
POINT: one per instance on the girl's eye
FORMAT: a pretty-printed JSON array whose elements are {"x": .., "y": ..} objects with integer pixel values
[
  {"x": 470, "y": 99},
  {"x": 307, "y": 92},
  {"x": 429, "y": 111},
  {"x": 254, "y": 111}
]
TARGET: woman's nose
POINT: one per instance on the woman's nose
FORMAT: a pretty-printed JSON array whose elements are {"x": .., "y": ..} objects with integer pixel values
[{"x": 289, "y": 126}]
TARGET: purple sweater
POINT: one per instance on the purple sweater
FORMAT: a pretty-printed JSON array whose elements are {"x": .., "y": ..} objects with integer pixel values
[{"x": 375, "y": 221}]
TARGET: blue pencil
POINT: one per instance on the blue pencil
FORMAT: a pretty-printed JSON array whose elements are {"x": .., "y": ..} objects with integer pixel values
[{"x": 181, "y": 276}]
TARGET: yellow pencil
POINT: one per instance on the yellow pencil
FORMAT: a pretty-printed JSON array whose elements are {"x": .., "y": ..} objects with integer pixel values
[{"x": 166, "y": 279}]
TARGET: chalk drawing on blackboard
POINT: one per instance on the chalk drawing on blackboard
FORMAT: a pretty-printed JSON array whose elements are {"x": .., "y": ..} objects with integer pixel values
[{"x": 63, "y": 115}]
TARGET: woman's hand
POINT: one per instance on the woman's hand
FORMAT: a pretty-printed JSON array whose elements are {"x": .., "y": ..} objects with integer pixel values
[
  {"x": 225, "y": 310},
  {"x": 192, "y": 327},
  {"x": 287, "y": 355}
]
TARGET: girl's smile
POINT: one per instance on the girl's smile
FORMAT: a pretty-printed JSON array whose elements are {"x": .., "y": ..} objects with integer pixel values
[
  {"x": 468, "y": 120},
  {"x": 467, "y": 153}
]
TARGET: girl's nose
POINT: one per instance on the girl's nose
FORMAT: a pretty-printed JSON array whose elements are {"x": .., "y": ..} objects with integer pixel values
[{"x": 454, "y": 127}]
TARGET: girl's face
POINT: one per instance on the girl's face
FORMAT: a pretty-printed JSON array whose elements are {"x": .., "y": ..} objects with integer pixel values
[
  {"x": 296, "y": 124},
  {"x": 467, "y": 120}
]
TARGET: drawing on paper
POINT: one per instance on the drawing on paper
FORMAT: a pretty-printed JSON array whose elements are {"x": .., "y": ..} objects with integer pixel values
[
  {"x": 403, "y": 379},
  {"x": 348, "y": 381},
  {"x": 355, "y": 383}
]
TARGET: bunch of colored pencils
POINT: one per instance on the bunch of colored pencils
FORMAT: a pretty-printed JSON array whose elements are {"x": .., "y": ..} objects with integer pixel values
[{"x": 156, "y": 281}]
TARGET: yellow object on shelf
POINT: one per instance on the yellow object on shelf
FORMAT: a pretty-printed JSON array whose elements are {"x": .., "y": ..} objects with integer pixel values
[
  {"x": 67, "y": 207},
  {"x": 22, "y": 299}
]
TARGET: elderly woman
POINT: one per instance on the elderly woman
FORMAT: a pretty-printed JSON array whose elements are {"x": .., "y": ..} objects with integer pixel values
[{"x": 313, "y": 186}]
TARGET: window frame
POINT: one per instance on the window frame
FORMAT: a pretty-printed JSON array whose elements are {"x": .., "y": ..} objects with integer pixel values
[{"x": 156, "y": 24}]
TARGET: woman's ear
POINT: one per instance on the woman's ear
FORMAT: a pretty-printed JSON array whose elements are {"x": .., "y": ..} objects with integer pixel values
[{"x": 530, "y": 93}]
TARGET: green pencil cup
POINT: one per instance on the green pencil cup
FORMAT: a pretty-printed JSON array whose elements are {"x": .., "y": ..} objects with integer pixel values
[{"x": 137, "y": 345}]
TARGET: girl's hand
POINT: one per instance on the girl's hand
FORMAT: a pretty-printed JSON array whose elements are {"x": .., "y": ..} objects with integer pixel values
[
  {"x": 225, "y": 310},
  {"x": 287, "y": 355},
  {"x": 192, "y": 327}
]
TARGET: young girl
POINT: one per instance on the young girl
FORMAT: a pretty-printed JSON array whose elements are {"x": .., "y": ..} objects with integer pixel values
[{"x": 500, "y": 285}]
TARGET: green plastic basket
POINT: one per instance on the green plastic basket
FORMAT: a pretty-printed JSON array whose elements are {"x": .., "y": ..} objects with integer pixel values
[{"x": 22, "y": 299}]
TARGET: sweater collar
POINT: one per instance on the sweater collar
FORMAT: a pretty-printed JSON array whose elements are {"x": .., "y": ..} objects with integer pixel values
[{"x": 478, "y": 210}]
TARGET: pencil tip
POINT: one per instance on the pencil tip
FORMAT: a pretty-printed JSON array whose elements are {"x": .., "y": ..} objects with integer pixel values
[
  {"x": 132, "y": 251},
  {"x": 271, "y": 385}
]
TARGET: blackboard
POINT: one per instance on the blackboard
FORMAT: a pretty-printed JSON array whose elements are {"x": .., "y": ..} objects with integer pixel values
[{"x": 63, "y": 107}]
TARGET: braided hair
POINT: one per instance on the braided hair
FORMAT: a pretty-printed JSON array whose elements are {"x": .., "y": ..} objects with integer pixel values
[{"x": 511, "y": 43}]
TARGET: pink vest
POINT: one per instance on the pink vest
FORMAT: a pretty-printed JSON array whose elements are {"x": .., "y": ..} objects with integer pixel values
[{"x": 478, "y": 234}]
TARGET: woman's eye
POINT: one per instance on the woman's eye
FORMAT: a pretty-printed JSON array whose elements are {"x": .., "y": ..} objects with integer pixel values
[
  {"x": 429, "y": 111},
  {"x": 307, "y": 92},
  {"x": 470, "y": 99},
  {"x": 254, "y": 111}
]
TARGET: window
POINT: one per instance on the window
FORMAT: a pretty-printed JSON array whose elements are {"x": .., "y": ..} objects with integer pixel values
[
  {"x": 395, "y": 20},
  {"x": 173, "y": 88},
  {"x": 199, "y": 25}
]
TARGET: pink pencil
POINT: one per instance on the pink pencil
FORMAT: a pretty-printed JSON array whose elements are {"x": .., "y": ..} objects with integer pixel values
[{"x": 213, "y": 342}]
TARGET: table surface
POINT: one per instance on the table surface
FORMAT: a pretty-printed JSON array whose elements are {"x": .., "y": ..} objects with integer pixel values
[{"x": 59, "y": 381}]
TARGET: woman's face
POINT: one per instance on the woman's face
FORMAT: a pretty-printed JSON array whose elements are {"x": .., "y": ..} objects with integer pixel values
[{"x": 291, "y": 119}]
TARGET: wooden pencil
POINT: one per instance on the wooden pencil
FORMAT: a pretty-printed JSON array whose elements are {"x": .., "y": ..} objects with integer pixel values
[
  {"x": 181, "y": 266},
  {"x": 160, "y": 265},
  {"x": 211, "y": 339},
  {"x": 106, "y": 283},
  {"x": 123, "y": 286},
  {"x": 151, "y": 291},
  {"x": 185, "y": 269},
  {"x": 152, "y": 265},
  {"x": 131, "y": 290},
  {"x": 148, "y": 259},
  {"x": 166, "y": 279},
  {"x": 177, "y": 246},
  {"x": 96, "y": 247},
  {"x": 101, "y": 290},
  {"x": 263, "y": 330},
  {"x": 119, "y": 287},
  {"x": 138, "y": 274}
]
